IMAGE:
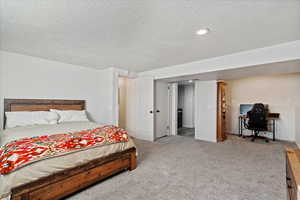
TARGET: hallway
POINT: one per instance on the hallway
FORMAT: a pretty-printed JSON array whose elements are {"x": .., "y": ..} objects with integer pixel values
[{"x": 188, "y": 132}]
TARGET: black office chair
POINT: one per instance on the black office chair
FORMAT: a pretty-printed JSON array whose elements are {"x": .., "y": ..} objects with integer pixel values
[{"x": 257, "y": 121}]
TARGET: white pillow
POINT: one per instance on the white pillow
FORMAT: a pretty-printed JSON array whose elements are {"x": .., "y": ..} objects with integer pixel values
[
  {"x": 71, "y": 115},
  {"x": 14, "y": 119}
]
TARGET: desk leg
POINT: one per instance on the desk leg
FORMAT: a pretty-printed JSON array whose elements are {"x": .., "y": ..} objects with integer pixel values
[
  {"x": 239, "y": 126},
  {"x": 241, "y": 121},
  {"x": 274, "y": 129}
]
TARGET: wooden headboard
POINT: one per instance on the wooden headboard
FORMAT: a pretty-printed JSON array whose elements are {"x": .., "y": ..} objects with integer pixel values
[{"x": 14, "y": 105}]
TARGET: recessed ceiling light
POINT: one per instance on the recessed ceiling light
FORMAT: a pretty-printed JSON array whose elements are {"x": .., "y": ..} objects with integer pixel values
[
  {"x": 202, "y": 31},
  {"x": 190, "y": 81}
]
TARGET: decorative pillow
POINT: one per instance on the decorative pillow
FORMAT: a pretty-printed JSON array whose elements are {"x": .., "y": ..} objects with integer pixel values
[
  {"x": 15, "y": 119},
  {"x": 71, "y": 115}
]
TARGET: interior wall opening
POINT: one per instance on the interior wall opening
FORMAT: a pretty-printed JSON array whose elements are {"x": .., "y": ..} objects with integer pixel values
[
  {"x": 122, "y": 101},
  {"x": 186, "y": 109},
  {"x": 282, "y": 108}
]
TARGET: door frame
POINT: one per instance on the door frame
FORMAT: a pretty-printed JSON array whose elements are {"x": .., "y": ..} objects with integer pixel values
[
  {"x": 173, "y": 99},
  {"x": 173, "y": 104}
]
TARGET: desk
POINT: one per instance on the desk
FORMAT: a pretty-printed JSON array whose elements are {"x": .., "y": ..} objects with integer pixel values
[{"x": 269, "y": 118}]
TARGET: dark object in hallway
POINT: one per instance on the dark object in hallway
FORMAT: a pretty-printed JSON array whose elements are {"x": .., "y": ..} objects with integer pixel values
[
  {"x": 258, "y": 120},
  {"x": 179, "y": 117}
]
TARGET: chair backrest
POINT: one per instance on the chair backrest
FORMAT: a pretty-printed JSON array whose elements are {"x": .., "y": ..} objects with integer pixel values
[{"x": 258, "y": 117}]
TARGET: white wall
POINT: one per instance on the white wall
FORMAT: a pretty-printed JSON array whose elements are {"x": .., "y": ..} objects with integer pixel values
[
  {"x": 173, "y": 108},
  {"x": 30, "y": 77},
  {"x": 206, "y": 110},
  {"x": 297, "y": 133},
  {"x": 282, "y": 94},
  {"x": 297, "y": 119},
  {"x": 272, "y": 54},
  {"x": 186, "y": 102}
]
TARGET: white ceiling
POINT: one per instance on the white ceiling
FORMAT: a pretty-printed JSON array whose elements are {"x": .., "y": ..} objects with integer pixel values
[{"x": 140, "y": 35}]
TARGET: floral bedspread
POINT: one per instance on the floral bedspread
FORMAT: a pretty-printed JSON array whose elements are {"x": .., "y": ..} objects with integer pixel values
[{"x": 22, "y": 152}]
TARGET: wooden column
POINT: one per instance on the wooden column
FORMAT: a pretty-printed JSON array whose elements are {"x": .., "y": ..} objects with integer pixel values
[{"x": 221, "y": 112}]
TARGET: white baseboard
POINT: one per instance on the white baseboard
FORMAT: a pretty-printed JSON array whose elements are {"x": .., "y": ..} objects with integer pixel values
[{"x": 269, "y": 137}]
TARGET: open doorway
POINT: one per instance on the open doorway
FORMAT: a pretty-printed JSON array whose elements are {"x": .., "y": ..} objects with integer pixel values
[
  {"x": 122, "y": 101},
  {"x": 174, "y": 108},
  {"x": 185, "y": 109},
  {"x": 193, "y": 108}
]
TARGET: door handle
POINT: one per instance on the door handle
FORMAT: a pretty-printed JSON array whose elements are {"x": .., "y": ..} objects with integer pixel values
[
  {"x": 157, "y": 110},
  {"x": 151, "y": 111}
]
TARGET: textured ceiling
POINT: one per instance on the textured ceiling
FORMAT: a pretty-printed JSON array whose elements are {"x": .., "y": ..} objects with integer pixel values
[{"x": 141, "y": 35}]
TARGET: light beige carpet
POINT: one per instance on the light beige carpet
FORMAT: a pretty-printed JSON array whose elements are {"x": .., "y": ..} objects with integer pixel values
[{"x": 181, "y": 168}]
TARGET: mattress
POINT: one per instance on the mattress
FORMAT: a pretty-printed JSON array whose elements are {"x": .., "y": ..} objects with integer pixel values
[{"x": 47, "y": 167}]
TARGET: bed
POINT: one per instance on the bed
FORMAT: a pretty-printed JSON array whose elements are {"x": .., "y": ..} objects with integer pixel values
[{"x": 61, "y": 176}]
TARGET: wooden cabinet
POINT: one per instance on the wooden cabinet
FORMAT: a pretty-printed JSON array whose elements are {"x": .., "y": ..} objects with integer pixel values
[
  {"x": 221, "y": 112},
  {"x": 293, "y": 173}
]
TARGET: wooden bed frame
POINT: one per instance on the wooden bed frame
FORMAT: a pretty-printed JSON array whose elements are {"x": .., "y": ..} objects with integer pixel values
[{"x": 68, "y": 181}]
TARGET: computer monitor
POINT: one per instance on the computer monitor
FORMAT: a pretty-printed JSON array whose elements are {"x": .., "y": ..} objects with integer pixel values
[{"x": 244, "y": 108}]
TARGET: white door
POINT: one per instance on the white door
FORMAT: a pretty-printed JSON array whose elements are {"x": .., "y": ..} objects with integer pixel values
[
  {"x": 161, "y": 109},
  {"x": 140, "y": 104}
]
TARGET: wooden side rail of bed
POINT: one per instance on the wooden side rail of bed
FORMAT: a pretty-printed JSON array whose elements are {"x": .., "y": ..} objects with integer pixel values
[{"x": 69, "y": 181}]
